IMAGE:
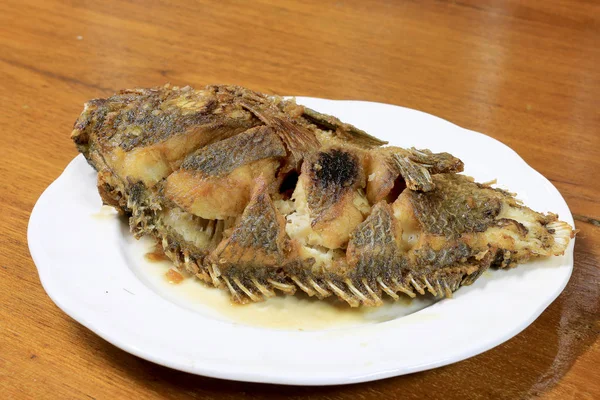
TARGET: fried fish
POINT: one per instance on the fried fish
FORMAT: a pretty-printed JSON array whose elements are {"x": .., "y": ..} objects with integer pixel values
[{"x": 258, "y": 195}]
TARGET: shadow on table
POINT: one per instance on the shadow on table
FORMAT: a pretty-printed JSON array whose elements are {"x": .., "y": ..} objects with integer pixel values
[{"x": 526, "y": 366}]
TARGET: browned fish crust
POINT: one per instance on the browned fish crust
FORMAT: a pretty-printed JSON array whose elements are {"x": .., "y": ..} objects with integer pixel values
[{"x": 256, "y": 194}]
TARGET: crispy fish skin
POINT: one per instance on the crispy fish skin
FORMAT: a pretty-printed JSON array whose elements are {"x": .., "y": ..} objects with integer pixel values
[
  {"x": 215, "y": 182},
  {"x": 460, "y": 206},
  {"x": 203, "y": 171},
  {"x": 257, "y": 243},
  {"x": 144, "y": 134},
  {"x": 332, "y": 180}
]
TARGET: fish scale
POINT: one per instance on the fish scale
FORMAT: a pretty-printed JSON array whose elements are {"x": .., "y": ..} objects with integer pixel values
[{"x": 207, "y": 173}]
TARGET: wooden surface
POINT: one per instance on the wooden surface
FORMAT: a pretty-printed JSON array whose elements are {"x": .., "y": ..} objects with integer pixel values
[{"x": 524, "y": 72}]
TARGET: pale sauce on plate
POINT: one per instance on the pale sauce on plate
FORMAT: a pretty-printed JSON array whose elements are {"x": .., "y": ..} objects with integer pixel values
[{"x": 298, "y": 312}]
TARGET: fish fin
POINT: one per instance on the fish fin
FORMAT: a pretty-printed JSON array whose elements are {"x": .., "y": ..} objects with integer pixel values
[
  {"x": 298, "y": 139},
  {"x": 436, "y": 163},
  {"x": 341, "y": 129},
  {"x": 562, "y": 233},
  {"x": 416, "y": 166},
  {"x": 416, "y": 176}
]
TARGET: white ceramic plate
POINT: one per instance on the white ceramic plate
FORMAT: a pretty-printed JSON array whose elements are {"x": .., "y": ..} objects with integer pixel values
[{"x": 90, "y": 267}]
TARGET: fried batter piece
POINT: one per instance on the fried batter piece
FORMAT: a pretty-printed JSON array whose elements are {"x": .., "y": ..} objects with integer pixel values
[{"x": 258, "y": 195}]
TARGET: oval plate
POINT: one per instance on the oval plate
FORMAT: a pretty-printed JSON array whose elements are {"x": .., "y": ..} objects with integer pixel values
[{"x": 84, "y": 271}]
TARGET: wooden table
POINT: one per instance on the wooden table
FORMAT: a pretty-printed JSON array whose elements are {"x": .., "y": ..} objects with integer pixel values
[{"x": 524, "y": 72}]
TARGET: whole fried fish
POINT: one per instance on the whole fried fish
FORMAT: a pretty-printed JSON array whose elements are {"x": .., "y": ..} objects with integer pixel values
[{"x": 257, "y": 194}]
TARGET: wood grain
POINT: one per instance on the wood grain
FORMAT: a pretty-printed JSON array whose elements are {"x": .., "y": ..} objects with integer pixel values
[{"x": 524, "y": 72}]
